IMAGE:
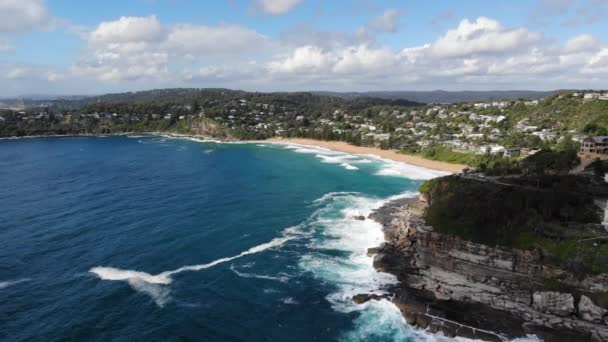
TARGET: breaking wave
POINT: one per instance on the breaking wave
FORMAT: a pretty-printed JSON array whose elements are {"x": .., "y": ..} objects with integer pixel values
[
  {"x": 156, "y": 285},
  {"x": 282, "y": 277},
  {"x": 5, "y": 284}
]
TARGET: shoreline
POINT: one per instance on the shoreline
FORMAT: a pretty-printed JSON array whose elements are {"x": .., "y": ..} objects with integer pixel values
[
  {"x": 338, "y": 146},
  {"x": 392, "y": 155}
]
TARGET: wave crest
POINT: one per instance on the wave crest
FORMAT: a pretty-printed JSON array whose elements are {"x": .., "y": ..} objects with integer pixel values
[{"x": 156, "y": 286}]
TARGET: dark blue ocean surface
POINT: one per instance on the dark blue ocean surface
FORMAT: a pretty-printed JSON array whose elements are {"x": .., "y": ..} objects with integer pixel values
[{"x": 150, "y": 238}]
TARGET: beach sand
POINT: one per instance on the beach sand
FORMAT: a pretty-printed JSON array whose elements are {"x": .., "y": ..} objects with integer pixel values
[{"x": 387, "y": 154}]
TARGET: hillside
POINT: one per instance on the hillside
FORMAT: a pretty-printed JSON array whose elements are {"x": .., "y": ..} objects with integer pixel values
[{"x": 442, "y": 96}]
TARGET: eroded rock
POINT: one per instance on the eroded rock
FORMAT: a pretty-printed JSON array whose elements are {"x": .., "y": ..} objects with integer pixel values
[{"x": 587, "y": 310}]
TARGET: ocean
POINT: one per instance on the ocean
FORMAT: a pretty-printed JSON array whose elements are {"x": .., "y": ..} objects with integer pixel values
[{"x": 156, "y": 238}]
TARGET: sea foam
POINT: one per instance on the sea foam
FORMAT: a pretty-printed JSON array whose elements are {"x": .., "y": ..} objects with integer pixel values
[
  {"x": 5, "y": 284},
  {"x": 282, "y": 277},
  {"x": 155, "y": 285}
]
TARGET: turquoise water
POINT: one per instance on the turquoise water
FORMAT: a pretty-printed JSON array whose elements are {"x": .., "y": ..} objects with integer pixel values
[{"x": 151, "y": 238}]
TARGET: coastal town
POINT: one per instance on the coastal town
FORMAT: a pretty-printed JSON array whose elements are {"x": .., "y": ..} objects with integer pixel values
[{"x": 452, "y": 132}]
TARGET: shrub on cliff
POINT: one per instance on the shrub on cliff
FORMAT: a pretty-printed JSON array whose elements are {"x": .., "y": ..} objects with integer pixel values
[{"x": 551, "y": 213}]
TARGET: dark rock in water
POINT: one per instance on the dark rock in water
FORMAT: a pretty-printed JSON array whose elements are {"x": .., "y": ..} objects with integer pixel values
[
  {"x": 373, "y": 250},
  {"x": 461, "y": 288},
  {"x": 365, "y": 297},
  {"x": 360, "y": 218}
]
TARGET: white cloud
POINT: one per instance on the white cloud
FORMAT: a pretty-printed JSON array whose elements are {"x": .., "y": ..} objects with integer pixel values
[
  {"x": 482, "y": 36},
  {"x": 598, "y": 64},
  {"x": 134, "y": 48},
  {"x": 581, "y": 43},
  {"x": 475, "y": 53},
  {"x": 23, "y": 15},
  {"x": 142, "y": 52},
  {"x": 303, "y": 60},
  {"x": 31, "y": 73},
  {"x": 127, "y": 30},
  {"x": 203, "y": 40},
  {"x": 276, "y": 6},
  {"x": 387, "y": 21}
]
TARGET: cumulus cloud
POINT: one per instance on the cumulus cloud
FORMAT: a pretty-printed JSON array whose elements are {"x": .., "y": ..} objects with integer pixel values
[
  {"x": 128, "y": 30},
  {"x": 482, "y": 36},
  {"x": 276, "y": 6},
  {"x": 31, "y": 73},
  {"x": 214, "y": 40},
  {"x": 387, "y": 21},
  {"x": 582, "y": 43},
  {"x": 478, "y": 52},
  {"x": 144, "y": 52},
  {"x": 20, "y": 15},
  {"x": 134, "y": 48}
]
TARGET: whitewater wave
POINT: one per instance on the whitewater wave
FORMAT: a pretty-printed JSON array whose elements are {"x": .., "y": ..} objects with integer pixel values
[
  {"x": 340, "y": 231},
  {"x": 396, "y": 169},
  {"x": 289, "y": 301},
  {"x": 352, "y": 271},
  {"x": 387, "y": 167},
  {"x": 5, "y": 284},
  {"x": 156, "y": 285},
  {"x": 282, "y": 277},
  {"x": 349, "y": 167},
  {"x": 332, "y": 195}
]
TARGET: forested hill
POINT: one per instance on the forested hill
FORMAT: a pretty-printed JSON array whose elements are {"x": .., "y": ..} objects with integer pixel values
[
  {"x": 441, "y": 96},
  {"x": 185, "y": 95}
]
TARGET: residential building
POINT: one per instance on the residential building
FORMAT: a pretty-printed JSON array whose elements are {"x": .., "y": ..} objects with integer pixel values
[{"x": 594, "y": 145}]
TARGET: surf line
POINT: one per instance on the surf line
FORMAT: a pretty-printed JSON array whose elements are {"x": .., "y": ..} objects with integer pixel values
[{"x": 155, "y": 284}]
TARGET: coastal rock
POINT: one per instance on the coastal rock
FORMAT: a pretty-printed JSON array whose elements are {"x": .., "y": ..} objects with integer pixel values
[
  {"x": 373, "y": 251},
  {"x": 365, "y": 297},
  {"x": 359, "y": 218},
  {"x": 561, "y": 304},
  {"x": 589, "y": 311},
  {"x": 503, "y": 291}
]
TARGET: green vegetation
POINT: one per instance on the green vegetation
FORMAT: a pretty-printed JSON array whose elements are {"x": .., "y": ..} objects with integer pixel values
[
  {"x": 448, "y": 155},
  {"x": 548, "y": 213},
  {"x": 550, "y": 162}
]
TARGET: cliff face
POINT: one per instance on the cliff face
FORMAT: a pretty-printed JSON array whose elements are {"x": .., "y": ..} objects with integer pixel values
[
  {"x": 459, "y": 287},
  {"x": 208, "y": 128}
]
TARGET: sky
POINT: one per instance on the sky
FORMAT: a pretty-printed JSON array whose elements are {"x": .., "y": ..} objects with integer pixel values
[{"x": 75, "y": 47}]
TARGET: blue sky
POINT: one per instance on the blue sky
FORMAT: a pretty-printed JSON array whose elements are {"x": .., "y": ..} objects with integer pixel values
[{"x": 89, "y": 47}]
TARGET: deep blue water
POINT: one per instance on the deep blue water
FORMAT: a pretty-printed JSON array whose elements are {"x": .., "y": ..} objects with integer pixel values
[{"x": 95, "y": 234}]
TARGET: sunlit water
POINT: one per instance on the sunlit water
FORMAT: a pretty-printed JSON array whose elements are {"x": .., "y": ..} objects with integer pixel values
[{"x": 151, "y": 238}]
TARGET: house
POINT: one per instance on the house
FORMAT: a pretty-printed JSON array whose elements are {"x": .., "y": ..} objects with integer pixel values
[
  {"x": 531, "y": 103},
  {"x": 511, "y": 152},
  {"x": 591, "y": 96},
  {"x": 594, "y": 145},
  {"x": 381, "y": 137},
  {"x": 546, "y": 135}
]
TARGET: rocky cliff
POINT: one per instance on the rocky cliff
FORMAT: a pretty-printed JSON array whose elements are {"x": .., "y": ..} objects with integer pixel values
[
  {"x": 207, "y": 128},
  {"x": 464, "y": 288}
]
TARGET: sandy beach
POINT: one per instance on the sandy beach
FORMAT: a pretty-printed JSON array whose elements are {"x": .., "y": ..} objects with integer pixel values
[{"x": 387, "y": 154}]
